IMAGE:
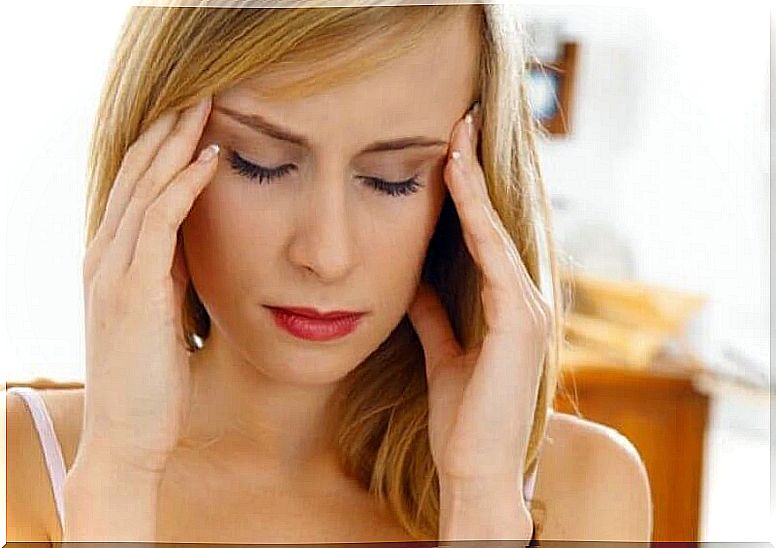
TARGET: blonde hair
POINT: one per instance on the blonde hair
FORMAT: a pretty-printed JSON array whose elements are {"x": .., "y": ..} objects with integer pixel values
[{"x": 169, "y": 57}]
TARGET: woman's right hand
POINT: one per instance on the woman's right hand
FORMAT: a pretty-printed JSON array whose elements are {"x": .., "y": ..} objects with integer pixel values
[{"x": 137, "y": 368}]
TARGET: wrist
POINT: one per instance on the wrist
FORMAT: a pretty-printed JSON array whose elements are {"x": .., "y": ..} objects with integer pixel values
[
  {"x": 104, "y": 455},
  {"x": 106, "y": 501},
  {"x": 483, "y": 509},
  {"x": 89, "y": 472}
]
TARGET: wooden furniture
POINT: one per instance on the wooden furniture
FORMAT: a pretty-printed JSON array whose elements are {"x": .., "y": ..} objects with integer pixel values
[
  {"x": 662, "y": 413},
  {"x": 42, "y": 383}
]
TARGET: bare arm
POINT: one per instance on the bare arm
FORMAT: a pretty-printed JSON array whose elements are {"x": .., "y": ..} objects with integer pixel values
[
  {"x": 109, "y": 501},
  {"x": 483, "y": 511},
  {"x": 136, "y": 393}
]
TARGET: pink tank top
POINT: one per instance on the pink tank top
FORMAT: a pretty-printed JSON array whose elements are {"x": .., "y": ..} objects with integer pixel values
[{"x": 55, "y": 462}]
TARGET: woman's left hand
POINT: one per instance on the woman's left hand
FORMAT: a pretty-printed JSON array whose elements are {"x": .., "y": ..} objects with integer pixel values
[{"x": 481, "y": 400}]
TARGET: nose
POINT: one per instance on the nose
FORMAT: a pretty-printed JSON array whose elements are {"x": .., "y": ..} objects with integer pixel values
[{"x": 324, "y": 238}]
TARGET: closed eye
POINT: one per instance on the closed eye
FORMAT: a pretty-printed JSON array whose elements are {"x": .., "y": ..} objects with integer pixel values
[{"x": 253, "y": 171}]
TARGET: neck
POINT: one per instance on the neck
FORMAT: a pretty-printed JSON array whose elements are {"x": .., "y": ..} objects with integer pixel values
[{"x": 281, "y": 426}]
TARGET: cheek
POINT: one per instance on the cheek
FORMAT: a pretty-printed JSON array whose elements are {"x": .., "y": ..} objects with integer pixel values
[
  {"x": 221, "y": 241},
  {"x": 398, "y": 248}
]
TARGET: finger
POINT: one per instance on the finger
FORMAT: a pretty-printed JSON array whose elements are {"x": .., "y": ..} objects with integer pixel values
[
  {"x": 485, "y": 236},
  {"x": 474, "y": 125},
  {"x": 468, "y": 191},
  {"x": 136, "y": 161},
  {"x": 156, "y": 243},
  {"x": 431, "y": 323},
  {"x": 181, "y": 142},
  {"x": 527, "y": 284},
  {"x": 177, "y": 151},
  {"x": 538, "y": 307}
]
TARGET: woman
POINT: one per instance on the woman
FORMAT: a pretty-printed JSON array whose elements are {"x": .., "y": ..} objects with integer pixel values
[{"x": 253, "y": 169}]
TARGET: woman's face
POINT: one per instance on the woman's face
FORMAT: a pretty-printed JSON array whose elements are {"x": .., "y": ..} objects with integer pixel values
[{"x": 318, "y": 233}]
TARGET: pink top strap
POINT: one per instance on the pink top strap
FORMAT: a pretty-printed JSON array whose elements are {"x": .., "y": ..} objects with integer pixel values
[
  {"x": 529, "y": 486},
  {"x": 52, "y": 451}
]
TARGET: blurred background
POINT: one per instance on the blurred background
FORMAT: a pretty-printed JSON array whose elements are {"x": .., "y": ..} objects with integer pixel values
[
  {"x": 656, "y": 156},
  {"x": 657, "y": 160}
]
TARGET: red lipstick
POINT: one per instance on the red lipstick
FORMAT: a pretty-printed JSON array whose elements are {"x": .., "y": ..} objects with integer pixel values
[{"x": 310, "y": 324}]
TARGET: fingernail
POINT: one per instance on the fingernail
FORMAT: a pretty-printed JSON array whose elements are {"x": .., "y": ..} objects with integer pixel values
[
  {"x": 201, "y": 106},
  {"x": 469, "y": 125},
  {"x": 456, "y": 155},
  {"x": 208, "y": 153},
  {"x": 476, "y": 107}
]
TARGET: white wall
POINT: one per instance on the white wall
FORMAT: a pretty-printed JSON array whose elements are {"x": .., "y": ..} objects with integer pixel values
[{"x": 54, "y": 58}]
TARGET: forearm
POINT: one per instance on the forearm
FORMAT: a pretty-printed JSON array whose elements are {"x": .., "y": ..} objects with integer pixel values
[
  {"x": 483, "y": 511},
  {"x": 108, "y": 502}
]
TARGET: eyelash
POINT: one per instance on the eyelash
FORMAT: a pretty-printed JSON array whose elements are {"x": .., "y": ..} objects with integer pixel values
[{"x": 252, "y": 171}]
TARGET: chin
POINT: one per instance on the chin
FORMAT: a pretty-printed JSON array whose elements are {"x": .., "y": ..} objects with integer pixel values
[
  {"x": 287, "y": 359},
  {"x": 298, "y": 367}
]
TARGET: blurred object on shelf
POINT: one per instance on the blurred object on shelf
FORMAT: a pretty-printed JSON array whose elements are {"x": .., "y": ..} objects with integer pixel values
[
  {"x": 735, "y": 372},
  {"x": 635, "y": 304},
  {"x": 551, "y": 89},
  {"x": 552, "y": 67},
  {"x": 742, "y": 366},
  {"x": 573, "y": 356},
  {"x": 614, "y": 342},
  {"x": 625, "y": 322},
  {"x": 44, "y": 383}
]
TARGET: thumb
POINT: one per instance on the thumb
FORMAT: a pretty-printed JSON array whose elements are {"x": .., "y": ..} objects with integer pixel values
[{"x": 429, "y": 318}]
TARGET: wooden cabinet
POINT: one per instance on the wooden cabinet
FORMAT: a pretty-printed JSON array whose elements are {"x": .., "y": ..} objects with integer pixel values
[{"x": 662, "y": 413}]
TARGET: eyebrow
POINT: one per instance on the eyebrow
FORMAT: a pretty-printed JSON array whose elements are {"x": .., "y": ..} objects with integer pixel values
[{"x": 261, "y": 124}]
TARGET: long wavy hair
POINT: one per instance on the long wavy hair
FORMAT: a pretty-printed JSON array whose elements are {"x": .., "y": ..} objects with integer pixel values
[{"x": 167, "y": 57}]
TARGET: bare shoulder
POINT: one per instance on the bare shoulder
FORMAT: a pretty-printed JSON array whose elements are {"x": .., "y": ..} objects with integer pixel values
[
  {"x": 592, "y": 483},
  {"x": 30, "y": 507}
]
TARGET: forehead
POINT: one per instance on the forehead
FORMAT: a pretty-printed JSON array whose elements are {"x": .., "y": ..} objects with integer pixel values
[{"x": 427, "y": 88}]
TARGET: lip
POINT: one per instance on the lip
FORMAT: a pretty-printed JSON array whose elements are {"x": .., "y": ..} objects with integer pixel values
[
  {"x": 315, "y": 329},
  {"x": 316, "y": 314}
]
